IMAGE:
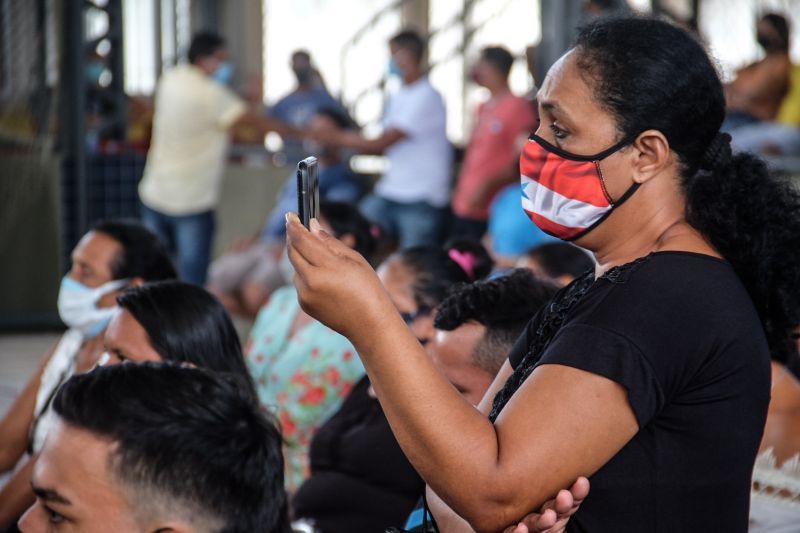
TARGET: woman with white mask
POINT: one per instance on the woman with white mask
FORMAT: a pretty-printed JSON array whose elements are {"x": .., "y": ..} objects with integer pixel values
[{"x": 112, "y": 256}]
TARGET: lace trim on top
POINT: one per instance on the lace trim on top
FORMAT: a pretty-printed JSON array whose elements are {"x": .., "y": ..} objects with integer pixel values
[
  {"x": 777, "y": 483},
  {"x": 553, "y": 318}
]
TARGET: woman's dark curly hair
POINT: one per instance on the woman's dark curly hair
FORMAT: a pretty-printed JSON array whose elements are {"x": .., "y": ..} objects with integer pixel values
[
  {"x": 504, "y": 305},
  {"x": 652, "y": 75}
]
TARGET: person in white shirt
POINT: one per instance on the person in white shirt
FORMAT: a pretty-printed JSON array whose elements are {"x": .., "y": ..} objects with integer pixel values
[
  {"x": 408, "y": 200},
  {"x": 194, "y": 111}
]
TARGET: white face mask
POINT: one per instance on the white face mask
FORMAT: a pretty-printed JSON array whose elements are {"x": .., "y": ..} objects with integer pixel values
[{"x": 77, "y": 305}]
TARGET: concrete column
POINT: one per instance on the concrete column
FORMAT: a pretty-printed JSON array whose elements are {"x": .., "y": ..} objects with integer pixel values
[
  {"x": 241, "y": 25},
  {"x": 414, "y": 14},
  {"x": 205, "y": 14},
  {"x": 559, "y": 20}
]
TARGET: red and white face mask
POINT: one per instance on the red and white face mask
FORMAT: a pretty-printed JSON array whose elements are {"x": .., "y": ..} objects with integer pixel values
[{"x": 563, "y": 193}]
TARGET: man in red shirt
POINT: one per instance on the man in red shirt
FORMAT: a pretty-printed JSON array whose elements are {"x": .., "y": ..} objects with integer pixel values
[{"x": 492, "y": 155}]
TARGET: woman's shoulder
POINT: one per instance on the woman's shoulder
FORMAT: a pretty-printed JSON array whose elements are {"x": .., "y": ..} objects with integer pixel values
[
  {"x": 669, "y": 290},
  {"x": 673, "y": 275},
  {"x": 667, "y": 265}
]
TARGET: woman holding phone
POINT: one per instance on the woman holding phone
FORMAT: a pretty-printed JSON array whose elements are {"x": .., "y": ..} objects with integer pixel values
[{"x": 651, "y": 375}]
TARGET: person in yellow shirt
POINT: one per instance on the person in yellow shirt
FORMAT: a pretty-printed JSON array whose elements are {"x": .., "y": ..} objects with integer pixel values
[
  {"x": 755, "y": 95},
  {"x": 778, "y": 137},
  {"x": 194, "y": 112}
]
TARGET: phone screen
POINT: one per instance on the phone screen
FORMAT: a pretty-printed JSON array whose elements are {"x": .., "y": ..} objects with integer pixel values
[{"x": 307, "y": 190}]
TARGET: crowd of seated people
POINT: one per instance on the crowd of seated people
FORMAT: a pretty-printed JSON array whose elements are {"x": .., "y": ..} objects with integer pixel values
[
  {"x": 174, "y": 322},
  {"x": 304, "y": 370},
  {"x": 108, "y": 259},
  {"x": 393, "y": 400}
]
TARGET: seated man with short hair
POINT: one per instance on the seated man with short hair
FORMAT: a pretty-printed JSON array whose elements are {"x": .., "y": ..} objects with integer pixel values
[
  {"x": 478, "y": 324},
  {"x": 154, "y": 448}
]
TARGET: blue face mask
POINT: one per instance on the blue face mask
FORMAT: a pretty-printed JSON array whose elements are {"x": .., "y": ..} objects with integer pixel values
[
  {"x": 99, "y": 327},
  {"x": 77, "y": 305},
  {"x": 394, "y": 68},
  {"x": 224, "y": 73}
]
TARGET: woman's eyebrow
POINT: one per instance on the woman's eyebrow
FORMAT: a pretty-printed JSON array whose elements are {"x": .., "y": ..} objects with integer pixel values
[
  {"x": 547, "y": 104},
  {"x": 553, "y": 106}
]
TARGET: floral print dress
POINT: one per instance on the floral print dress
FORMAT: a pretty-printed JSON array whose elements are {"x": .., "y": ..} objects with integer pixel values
[{"x": 303, "y": 379}]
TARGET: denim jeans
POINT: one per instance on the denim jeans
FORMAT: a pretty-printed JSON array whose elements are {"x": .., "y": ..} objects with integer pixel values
[
  {"x": 413, "y": 223},
  {"x": 188, "y": 239},
  {"x": 762, "y": 136}
]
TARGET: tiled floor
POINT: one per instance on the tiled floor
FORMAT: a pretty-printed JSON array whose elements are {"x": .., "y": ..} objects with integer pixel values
[{"x": 20, "y": 354}]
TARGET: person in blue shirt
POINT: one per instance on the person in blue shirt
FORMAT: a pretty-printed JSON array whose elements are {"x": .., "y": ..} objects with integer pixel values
[
  {"x": 337, "y": 183},
  {"x": 246, "y": 274},
  {"x": 510, "y": 232},
  {"x": 299, "y": 106}
]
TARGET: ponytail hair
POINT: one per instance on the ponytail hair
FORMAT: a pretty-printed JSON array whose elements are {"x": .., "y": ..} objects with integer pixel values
[
  {"x": 437, "y": 269},
  {"x": 651, "y": 74},
  {"x": 753, "y": 220},
  {"x": 479, "y": 263}
]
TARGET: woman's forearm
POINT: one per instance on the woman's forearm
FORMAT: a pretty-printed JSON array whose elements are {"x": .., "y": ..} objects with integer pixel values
[
  {"x": 490, "y": 474},
  {"x": 450, "y": 443}
]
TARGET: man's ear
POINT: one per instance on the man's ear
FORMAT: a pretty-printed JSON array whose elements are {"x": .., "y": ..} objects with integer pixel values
[
  {"x": 653, "y": 155},
  {"x": 136, "y": 282}
]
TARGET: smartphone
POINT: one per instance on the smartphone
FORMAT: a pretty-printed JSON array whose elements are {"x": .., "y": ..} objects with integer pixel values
[{"x": 307, "y": 190}]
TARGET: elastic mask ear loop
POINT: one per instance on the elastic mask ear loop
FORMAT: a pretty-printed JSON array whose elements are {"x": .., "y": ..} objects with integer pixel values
[
  {"x": 605, "y": 154},
  {"x": 623, "y": 198},
  {"x": 578, "y": 157},
  {"x": 632, "y": 189},
  {"x": 603, "y": 182}
]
